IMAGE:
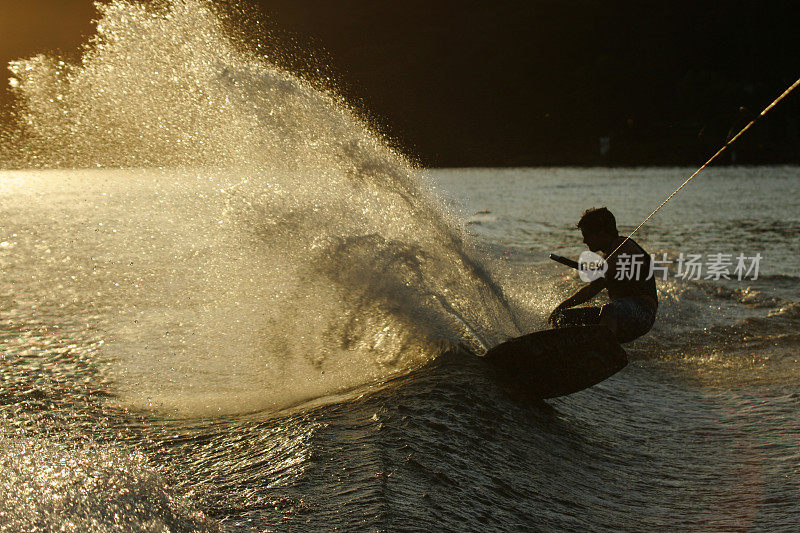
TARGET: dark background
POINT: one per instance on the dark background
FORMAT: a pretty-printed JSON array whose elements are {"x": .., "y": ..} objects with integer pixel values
[{"x": 521, "y": 83}]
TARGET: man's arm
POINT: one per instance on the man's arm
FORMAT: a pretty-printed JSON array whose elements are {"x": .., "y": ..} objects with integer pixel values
[{"x": 582, "y": 295}]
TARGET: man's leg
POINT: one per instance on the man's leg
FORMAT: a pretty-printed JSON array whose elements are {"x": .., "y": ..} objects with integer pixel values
[
  {"x": 576, "y": 316},
  {"x": 628, "y": 318},
  {"x": 610, "y": 322}
]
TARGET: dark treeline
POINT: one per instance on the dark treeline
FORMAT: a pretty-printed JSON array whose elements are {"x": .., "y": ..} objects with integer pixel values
[{"x": 550, "y": 82}]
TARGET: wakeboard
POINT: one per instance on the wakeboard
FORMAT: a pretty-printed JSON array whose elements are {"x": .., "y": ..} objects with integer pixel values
[{"x": 557, "y": 362}]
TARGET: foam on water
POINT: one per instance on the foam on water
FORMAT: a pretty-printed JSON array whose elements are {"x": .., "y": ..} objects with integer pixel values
[
  {"x": 282, "y": 252},
  {"x": 88, "y": 488}
]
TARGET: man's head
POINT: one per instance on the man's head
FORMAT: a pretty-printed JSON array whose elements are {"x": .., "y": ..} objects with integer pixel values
[{"x": 599, "y": 228}]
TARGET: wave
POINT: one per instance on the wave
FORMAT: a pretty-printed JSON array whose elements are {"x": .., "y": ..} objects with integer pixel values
[{"x": 283, "y": 250}]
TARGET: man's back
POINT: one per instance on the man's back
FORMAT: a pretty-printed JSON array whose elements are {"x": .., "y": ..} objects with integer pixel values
[{"x": 628, "y": 274}]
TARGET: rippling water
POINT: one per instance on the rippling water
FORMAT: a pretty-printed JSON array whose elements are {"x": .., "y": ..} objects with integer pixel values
[
  {"x": 253, "y": 325},
  {"x": 110, "y": 421}
]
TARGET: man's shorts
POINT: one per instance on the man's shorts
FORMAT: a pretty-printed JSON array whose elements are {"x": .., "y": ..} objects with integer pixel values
[{"x": 634, "y": 317}]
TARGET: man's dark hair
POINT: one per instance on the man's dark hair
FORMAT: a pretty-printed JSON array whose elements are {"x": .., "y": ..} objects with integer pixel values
[{"x": 598, "y": 219}]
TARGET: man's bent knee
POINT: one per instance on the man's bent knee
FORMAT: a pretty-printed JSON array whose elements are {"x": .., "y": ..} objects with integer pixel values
[{"x": 610, "y": 323}]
